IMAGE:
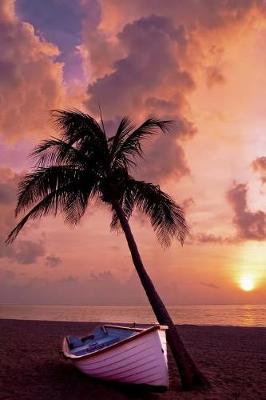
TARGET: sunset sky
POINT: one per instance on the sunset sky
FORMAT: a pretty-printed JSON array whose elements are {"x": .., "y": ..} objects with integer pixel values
[{"x": 199, "y": 62}]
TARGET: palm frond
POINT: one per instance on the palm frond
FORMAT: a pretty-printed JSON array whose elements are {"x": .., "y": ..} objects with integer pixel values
[
  {"x": 36, "y": 185},
  {"x": 166, "y": 216},
  {"x": 124, "y": 128},
  {"x": 83, "y": 130},
  {"x": 74, "y": 125},
  {"x": 101, "y": 118},
  {"x": 131, "y": 146},
  {"x": 55, "y": 151},
  {"x": 126, "y": 202},
  {"x": 49, "y": 204},
  {"x": 70, "y": 198},
  {"x": 77, "y": 199}
]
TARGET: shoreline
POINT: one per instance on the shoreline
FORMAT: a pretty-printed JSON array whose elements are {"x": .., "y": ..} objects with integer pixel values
[
  {"x": 130, "y": 323},
  {"x": 233, "y": 358}
]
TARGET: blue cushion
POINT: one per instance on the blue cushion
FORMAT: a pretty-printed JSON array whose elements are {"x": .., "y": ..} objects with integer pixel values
[{"x": 74, "y": 342}]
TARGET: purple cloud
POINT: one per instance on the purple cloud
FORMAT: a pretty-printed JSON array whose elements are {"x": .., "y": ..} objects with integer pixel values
[{"x": 249, "y": 224}]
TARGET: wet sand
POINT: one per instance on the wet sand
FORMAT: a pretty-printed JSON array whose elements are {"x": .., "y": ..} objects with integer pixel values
[{"x": 31, "y": 367}]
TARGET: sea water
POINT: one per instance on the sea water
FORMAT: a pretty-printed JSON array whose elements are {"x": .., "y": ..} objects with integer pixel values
[{"x": 235, "y": 315}]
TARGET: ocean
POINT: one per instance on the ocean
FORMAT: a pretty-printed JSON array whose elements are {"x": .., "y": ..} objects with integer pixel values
[{"x": 234, "y": 315}]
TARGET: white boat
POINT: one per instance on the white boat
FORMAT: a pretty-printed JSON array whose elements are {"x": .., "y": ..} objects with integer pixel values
[{"x": 122, "y": 354}]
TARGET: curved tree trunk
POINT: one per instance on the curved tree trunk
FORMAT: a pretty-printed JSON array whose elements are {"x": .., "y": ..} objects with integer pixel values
[{"x": 189, "y": 373}]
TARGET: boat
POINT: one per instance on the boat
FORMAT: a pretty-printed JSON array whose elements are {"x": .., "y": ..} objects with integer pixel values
[{"x": 122, "y": 354}]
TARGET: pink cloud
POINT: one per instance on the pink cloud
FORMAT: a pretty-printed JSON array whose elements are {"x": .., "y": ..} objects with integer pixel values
[{"x": 259, "y": 166}]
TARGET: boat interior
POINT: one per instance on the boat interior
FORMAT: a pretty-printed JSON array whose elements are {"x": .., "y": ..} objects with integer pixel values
[{"x": 100, "y": 338}]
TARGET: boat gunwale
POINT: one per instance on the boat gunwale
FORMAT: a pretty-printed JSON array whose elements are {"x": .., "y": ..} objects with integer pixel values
[{"x": 139, "y": 332}]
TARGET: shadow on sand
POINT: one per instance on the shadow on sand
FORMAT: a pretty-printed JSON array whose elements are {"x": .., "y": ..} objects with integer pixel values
[{"x": 73, "y": 384}]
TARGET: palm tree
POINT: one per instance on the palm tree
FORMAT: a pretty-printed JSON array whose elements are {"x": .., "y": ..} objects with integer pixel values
[{"x": 83, "y": 164}]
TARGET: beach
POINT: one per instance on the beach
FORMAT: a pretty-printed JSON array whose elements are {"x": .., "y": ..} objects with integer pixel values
[{"x": 31, "y": 366}]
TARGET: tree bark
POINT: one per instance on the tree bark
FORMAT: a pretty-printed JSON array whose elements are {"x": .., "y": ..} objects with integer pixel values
[{"x": 190, "y": 375}]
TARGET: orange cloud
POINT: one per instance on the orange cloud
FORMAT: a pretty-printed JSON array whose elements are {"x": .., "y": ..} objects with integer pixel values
[
  {"x": 31, "y": 80},
  {"x": 204, "y": 13},
  {"x": 149, "y": 57}
]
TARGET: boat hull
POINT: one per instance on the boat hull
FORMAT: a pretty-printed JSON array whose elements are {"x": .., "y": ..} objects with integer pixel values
[{"x": 141, "y": 360}]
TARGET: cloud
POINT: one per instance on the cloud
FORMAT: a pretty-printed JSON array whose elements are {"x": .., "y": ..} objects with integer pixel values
[
  {"x": 156, "y": 166},
  {"x": 30, "y": 79},
  {"x": 259, "y": 166},
  {"x": 25, "y": 251},
  {"x": 134, "y": 77},
  {"x": 187, "y": 203},
  {"x": 98, "y": 51},
  {"x": 205, "y": 14},
  {"x": 7, "y": 193},
  {"x": 209, "y": 238},
  {"x": 249, "y": 225},
  {"x": 121, "y": 43},
  {"x": 100, "y": 289},
  {"x": 135, "y": 87},
  {"x": 8, "y": 189},
  {"x": 146, "y": 58},
  {"x": 52, "y": 261},
  {"x": 214, "y": 76},
  {"x": 64, "y": 32},
  {"x": 210, "y": 285},
  {"x": 105, "y": 288}
]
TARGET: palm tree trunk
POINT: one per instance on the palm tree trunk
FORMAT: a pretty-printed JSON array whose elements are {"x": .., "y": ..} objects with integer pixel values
[{"x": 189, "y": 373}]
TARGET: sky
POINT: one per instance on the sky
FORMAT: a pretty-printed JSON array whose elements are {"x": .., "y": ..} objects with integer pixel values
[{"x": 201, "y": 63}]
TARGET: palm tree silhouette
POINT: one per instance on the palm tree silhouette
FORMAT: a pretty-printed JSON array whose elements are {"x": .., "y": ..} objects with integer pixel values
[{"x": 84, "y": 163}]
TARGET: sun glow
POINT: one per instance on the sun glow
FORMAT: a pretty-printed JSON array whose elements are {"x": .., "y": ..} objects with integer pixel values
[
  {"x": 247, "y": 283},
  {"x": 250, "y": 272}
]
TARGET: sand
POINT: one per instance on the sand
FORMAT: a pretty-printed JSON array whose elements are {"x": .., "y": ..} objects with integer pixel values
[{"x": 31, "y": 367}]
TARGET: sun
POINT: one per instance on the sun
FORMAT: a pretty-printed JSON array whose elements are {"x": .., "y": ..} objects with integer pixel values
[{"x": 247, "y": 283}]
